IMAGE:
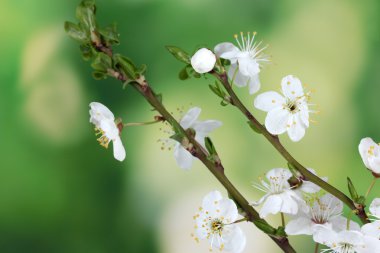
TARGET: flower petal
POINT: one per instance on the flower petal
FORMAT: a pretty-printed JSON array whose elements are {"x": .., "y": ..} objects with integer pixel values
[
  {"x": 296, "y": 129},
  {"x": 272, "y": 205},
  {"x": 206, "y": 126},
  {"x": 254, "y": 84},
  {"x": 228, "y": 210},
  {"x": 190, "y": 117},
  {"x": 248, "y": 66},
  {"x": 99, "y": 112},
  {"x": 267, "y": 101},
  {"x": 277, "y": 120},
  {"x": 364, "y": 147},
  {"x": 237, "y": 77},
  {"x": 374, "y": 208},
  {"x": 227, "y": 51},
  {"x": 118, "y": 149},
  {"x": 299, "y": 226},
  {"x": 235, "y": 240},
  {"x": 372, "y": 229},
  {"x": 291, "y": 87},
  {"x": 183, "y": 157}
]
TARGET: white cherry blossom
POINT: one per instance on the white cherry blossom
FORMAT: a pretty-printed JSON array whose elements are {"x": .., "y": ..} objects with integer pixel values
[
  {"x": 202, "y": 129},
  {"x": 215, "y": 222},
  {"x": 326, "y": 210},
  {"x": 287, "y": 113},
  {"x": 279, "y": 197},
  {"x": 245, "y": 60},
  {"x": 203, "y": 61},
  {"x": 105, "y": 126},
  {"x": 370, "y": 153},
  {"x": 374, "y": 208},
  {"x": 372, "y": 229},
  {"x": 346, "y": 241}
]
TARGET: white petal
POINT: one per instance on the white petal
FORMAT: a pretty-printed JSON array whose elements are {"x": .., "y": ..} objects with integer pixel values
[
  {"x": 325, "y": 236},
  {"x": 374, "y": 164},
  {"x": 99, "y": 112},
  {"x": 248, "y": 66},
  {"x": 289, "y": 204},
  {"x": 371, "y": 245},
  {"x": 304, "y": 113},
  {"x": 339, "y": 223},
  {"x": 272, "y": 205},
  {"x": 190, "y": 117},
  {"x": 299, "y": 226},
  {"x": 183, "y": 157},
  {"x": 277, "y": 120},
  {"x": 238, "y": 78},
  {"x": 374, "y": 208},
  {"x": 296, "y": 129},
  {"x": 109, "y": 128},
  {"x": 372, "y": 229},
  {"x": 280, "y": 173},
  {"x": 268, "y": 101},
  {"x": 210, "y": 198},
  {"x": 235, "y": 240},
  {"x": 118, "y": 150},
  {"x": 206, "y": 126},
  {"x": 254, "y": 84},
  {"x": 291, "y": 87},
  {"x": 228, "y": 210},
  {"x": 364, "y": 147},
  {"x": 227, "y": 50}
]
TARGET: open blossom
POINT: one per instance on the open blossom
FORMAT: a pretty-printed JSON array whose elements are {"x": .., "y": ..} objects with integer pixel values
[
  {"x": 370, "y": 153},
  {"x": 202, "y": 129},
  {"x": 245, "y": 61},
  {"x": 346, "y": 241},
  {"x": 105, "y": 126},
  {"x": 288, "y": 113},
  {"x": 203, "y": 61},
  {"x": 326, "y": 210},
  {"x": 279, "y": 197},
  {"x": 215, "y": 222},
  {"x": 374, "y": 208}
]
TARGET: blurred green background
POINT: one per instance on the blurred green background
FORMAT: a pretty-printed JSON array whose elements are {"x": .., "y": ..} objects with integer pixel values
[{"x": 61, "y": 192}]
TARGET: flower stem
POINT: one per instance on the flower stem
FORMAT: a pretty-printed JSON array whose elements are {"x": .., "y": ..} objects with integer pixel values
[
  {"x": 370, "y": 187},
  {"x": 241, "y": 220},
  {"x": 349, "y": 220},
  {"x": 274, "y": 140},
  {"x": 316, "y": 247},
  {"x": 282, "y": 219}
]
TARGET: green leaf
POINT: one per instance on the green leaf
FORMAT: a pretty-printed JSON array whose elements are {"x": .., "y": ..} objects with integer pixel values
[
  {"x": 183, "y": 75},
  {"x": 254, "y": 127},
  {"x": 142, "y": 69},
  {"x": 280, "y": 231},
  {"x": 76, "y": 32},
  {"x": 210, "y": 146},
  {"x": 351, "y": 188},
  {"x": 360, "y": 200},
  {"x": 110, "y": 34},
  {"x": 224, "y": 103},
  {"x": 99, "y": 75},
  {"x": 87, "y": 51},
  {"x": 126, "y": 65},
  {"x": 179, "y": 54},
  {"x": 102, "y": 62},
  {"x": 85, "y": 13}
]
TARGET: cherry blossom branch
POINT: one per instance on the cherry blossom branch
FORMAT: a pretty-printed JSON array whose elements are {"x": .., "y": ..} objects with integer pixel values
[
  {"x": 96, "y": 44},
  {"x": 216, "y": 168},
  {"x": 275, "y": 141}
]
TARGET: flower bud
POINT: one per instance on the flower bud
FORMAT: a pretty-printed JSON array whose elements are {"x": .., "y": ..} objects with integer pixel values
[{"x": 203, "y": 61}]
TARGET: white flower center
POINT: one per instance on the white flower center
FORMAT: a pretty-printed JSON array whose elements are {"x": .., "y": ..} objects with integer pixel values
[{"x": 323, "y": 212}]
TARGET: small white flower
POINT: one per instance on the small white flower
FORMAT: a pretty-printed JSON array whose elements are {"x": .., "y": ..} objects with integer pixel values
[
  {"x": 370, "y": 153},
  {"x": 288, "y": 113},
  {"x": 326, "y": 210},
  {"x": 105, "y": 126},
  {"x": 245, "y": 61},
  {"x": 374, "y": 208},
  {"x": 202, "y": 129},
  {"x": 215, "y": 222},
  {"x": 203, "y": 61},
  {"x": 346, "y": 241},
  {"x": 279, "y": 196}
]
